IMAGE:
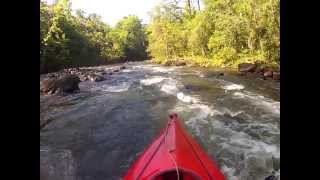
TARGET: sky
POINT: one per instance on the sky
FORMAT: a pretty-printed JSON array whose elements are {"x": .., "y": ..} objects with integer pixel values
[{"x": 112, "y": 11}]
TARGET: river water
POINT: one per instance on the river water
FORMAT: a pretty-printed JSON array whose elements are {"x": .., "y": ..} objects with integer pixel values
[{"x": 98, "y": 132}]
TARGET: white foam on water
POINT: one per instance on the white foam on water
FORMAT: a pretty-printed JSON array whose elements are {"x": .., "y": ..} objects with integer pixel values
[
  {"x": 162, "y": 69},
  {"x": 244, "y": 143},
  {"x": 223, "y": 111},
  {"x": 231, "y": 87},
  {"x": 127, "y": 70},
  {"x": 116, "y": 88},
  {"x": 185, "y": 98},
  {"x": 260, "y": 101},
  {"x": 252, "y": 146},
  {"x": 155, "y": 68},
  {"x": 229, "y": 172},
  {"x": 152, "y": 80},
  {"x": 170, "y": 87},
  {"x": 200, "y": 113}
]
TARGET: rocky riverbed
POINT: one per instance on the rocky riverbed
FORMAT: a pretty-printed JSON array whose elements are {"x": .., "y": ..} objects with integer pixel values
[{"x": 95, "y": 121}]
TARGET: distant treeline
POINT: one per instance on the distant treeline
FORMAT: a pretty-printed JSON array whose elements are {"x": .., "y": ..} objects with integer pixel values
[
  {"x": 222, "y": 33},
  {"x": 74, "y": 39}
]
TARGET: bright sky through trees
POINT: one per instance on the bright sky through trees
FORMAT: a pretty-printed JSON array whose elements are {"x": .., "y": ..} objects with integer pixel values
[{"x": 112, "y": 11}]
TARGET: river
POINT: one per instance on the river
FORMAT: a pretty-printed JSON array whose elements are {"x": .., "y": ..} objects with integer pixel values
[{"x": 98, "y": 132}]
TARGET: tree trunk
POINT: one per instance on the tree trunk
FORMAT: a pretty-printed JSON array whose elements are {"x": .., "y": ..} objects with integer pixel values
[
  {"x": 189, "y": 6},
  {"x": 198, "y": 1}
]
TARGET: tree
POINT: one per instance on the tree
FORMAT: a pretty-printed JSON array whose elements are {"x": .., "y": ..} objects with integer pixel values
[
  {"x": 68, "y": 40},
  {"x": 224, "y": 33},
  {"x": 129, "y": 38}
]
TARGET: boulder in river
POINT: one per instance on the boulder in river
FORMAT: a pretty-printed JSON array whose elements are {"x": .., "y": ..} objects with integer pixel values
[
  {"x": 241, "y": 73},
  {"x": 267, "y": 74},
  {"x": 47, "y": 85},
  {"x": 68, "y": 83},
  {"x": 84, "y": 78},
  {"x": 65, "y": 84},
  {"x": 276, "y": 75},
  {"x": 220, "y": 74},
  {"x": 247, "y": 67},
  {"x": 259, "y": 70},
  {"x": 180, "y": 63}
]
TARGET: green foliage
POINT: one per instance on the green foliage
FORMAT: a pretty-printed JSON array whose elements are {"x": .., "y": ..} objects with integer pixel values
[
  {"x": 225, "y": 33},
  {"x": 68, "y": 40},
  {"x": 129, "y": 38}
]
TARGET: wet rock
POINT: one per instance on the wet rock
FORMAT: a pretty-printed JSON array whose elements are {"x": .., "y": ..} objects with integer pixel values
[
  {"x": 57, "y": 165},
  {"x": 220, "y": 74},
  {"x": 65, "y": 84},
  {"x": 51, "y": 75},
  {"x": 96, "y": 78},
  {"x": 276, "y": 75},
  {"x": 122, "y": 67},
  {"x": 68, "y": 83},
  {"x": 267, "y": 74},
  {"x": 259, "y": 70},
  {"x": 177, "y": 62},
  {"x": 115, "y": 70},
  {"x": 180, "y": 63},
  {"x": 99, "y": 74},
  {"x": 84, "y": 78},
  {"x": 47, "y": 85},
  {"x": 246, "y": 67}
]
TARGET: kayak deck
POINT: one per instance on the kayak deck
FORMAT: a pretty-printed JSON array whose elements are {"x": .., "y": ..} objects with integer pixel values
[{"x": 174, "y": 153}]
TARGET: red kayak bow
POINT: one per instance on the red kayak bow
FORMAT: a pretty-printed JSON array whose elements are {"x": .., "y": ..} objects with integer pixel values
[{"x": 174, "y": 155}]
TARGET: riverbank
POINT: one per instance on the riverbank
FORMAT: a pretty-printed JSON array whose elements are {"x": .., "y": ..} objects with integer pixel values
[{"x": 258, "y": 69}]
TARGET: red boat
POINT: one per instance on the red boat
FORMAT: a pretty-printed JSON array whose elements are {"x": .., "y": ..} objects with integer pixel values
[{"x": 174, "y": 155}]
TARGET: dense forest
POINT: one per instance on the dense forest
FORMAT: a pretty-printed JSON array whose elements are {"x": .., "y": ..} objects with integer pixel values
[
  {"x": 74, "y": 39},
  {"x": 222, "y": 33}
]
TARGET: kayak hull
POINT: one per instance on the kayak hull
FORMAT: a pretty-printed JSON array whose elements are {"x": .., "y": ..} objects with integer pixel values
[{"x": 174, "y": 153}]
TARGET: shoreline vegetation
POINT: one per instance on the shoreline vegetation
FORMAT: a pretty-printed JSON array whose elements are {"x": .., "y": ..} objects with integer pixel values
[{"x": 223, "y": 34}]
